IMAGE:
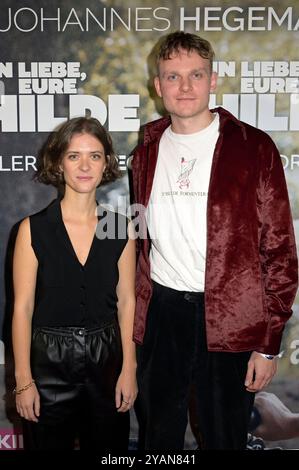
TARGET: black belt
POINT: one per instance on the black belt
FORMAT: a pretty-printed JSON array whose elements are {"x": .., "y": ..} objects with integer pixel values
[{"x": 189, "y": 296}]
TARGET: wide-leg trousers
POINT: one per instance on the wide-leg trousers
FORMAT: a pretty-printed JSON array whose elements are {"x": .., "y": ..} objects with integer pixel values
[
  {"x": 76, "y": 370},
  {"x": 174, "y": 366}
]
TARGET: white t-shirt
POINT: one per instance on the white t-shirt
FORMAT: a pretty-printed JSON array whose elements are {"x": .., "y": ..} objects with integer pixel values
[{"x": 176, "y": 212}]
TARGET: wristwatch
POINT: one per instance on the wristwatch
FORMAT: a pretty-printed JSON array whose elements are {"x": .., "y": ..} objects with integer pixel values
[{"x": 268, "y": 356}]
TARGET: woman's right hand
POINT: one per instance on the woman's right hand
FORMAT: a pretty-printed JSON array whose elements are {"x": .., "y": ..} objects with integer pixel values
[{"x": 28, "y": 404}]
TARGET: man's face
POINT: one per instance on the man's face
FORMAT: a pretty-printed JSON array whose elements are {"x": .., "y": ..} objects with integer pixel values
[{"x": 184, "y": 83}]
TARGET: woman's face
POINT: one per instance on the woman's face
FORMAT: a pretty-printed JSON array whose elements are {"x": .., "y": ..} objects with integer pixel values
[{"x": 83, "y": 163}]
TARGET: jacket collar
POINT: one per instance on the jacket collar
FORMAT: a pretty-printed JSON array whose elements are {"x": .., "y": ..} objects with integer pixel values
[
  {"x": 227, "y": 118},
  {"x": 155, "y": 129}
]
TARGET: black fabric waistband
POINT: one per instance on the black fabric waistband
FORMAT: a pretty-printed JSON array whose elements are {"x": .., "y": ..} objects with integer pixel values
[
  {"x": 187, "y": 295},
  {"x": 73, "y": 330}
]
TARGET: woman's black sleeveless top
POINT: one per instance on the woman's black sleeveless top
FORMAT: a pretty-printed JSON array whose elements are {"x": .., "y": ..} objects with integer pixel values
[{"x": 67, "y": 293}]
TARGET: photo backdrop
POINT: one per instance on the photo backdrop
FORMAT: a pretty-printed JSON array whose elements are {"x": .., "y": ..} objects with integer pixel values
[{"x": 62, "y": 59}]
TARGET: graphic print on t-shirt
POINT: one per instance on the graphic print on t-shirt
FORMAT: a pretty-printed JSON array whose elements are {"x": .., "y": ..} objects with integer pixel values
[{"x": 186, "y": 169}]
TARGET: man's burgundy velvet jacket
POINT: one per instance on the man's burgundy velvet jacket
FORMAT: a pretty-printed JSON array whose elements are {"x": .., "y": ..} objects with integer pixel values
[{"x": 251, "y": 263}]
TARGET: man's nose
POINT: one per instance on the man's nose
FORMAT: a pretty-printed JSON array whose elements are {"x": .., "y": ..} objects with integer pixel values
[{"x": 185, "y": 83}]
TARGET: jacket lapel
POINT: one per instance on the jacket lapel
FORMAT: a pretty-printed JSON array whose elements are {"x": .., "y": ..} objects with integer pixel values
[{"x": 152, "y": 135}]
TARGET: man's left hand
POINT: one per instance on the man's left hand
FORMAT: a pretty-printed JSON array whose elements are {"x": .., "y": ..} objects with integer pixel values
[{"x": 260, "y": 372}]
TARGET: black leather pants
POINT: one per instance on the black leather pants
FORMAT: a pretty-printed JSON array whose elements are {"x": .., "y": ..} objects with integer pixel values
[{"x": 76, "y": 371}]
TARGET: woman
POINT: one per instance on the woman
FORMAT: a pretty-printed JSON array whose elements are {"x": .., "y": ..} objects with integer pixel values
[{"x": 74, "y": 302}]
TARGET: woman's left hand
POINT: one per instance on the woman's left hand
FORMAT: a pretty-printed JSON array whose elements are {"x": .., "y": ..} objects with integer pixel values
[{"x": 126, "y": 390}]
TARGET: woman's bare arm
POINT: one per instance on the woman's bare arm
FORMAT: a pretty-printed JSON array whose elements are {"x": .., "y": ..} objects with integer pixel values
[
  {"x": 24, "y": 279},
  {"x": 126, "y": 389}
]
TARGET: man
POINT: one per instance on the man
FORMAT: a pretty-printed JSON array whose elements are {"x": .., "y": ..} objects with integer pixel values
[{"x": 217, "y": 276}]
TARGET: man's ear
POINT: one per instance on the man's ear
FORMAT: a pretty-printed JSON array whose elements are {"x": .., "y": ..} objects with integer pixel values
[
  {"x": 158, "y": 86},
  {"x": 214, "y": 78}
]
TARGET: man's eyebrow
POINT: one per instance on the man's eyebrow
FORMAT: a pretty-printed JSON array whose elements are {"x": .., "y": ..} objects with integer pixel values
[{"x": 177, "y": 72}]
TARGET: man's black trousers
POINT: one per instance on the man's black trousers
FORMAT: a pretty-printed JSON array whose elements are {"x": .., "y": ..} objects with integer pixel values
[{"x": 176, "y": 371}]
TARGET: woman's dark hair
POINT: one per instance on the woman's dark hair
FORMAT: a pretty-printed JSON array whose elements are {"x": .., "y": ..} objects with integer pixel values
[{"x": 50, "y": 155}]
